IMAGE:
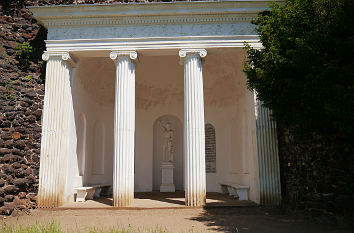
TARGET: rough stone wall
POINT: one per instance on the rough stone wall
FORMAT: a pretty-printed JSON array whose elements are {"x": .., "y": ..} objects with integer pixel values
[
  {"x": 21, "y": 100},
  {"x": 317, "y": 176}
]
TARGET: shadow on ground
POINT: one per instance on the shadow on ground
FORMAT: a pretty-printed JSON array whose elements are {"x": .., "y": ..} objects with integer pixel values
[
  {"x": 104, "y": 200},
  {"x": 157, "y": 199},
  {"x": 260, "y": 220},
  {"x": 163, "y": 197}
]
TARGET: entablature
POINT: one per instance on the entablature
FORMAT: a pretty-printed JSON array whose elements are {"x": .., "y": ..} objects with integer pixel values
[{"x": 177, "y": 19}]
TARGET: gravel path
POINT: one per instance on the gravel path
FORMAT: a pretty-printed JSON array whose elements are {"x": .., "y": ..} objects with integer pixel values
[{"x": 239, "y": 220}]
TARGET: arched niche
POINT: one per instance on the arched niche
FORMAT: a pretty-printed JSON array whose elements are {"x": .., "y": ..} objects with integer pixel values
[
  {"x": 178, "y": 160},
  {"x": 81, "y": 143},
  {"x": 98, "y": 149}
]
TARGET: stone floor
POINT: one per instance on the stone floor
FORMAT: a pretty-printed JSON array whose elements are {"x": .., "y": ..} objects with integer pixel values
[{"x": 151, "y": 200}]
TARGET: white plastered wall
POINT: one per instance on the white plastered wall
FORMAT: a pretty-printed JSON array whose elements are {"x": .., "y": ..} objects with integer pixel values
[
  {"x": 98, "y": 143},
  {"x": 159, "y": 91}
]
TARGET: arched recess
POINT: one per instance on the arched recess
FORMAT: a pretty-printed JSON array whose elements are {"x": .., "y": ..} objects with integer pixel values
[
  {"x": 98, "y": 149},
  {"x": 210, "y": 148},
  {"x": 81, "y": 144},
  {"x": 178, "y": 172}
]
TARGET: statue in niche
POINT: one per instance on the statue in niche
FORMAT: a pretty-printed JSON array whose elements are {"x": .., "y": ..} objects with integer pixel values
[{"x": 167, "y": 147}]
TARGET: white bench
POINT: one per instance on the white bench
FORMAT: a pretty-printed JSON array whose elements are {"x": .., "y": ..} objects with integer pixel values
[
  {"x": 235, "y": 190},
  {"x": 89, "y": 192}
]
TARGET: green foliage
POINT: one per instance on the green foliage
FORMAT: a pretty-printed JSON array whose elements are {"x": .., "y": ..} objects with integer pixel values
[
  {"x": 54, "y": 227},
  {"x": 128, "y": 229},
  {"x": 24, "y": 51},
  {"x": 51, "y": 227},
  {"x": 9, "y": 92},
  {"x": 29, "y": 77},
  {"x": 3, "y": 59},
  {"x": 305, "y": 72}
]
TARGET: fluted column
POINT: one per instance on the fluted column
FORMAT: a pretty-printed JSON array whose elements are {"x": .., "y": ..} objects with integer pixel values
[
  {"x": 55, "y": 130},
  {"x": 268, "y": 159},
  {"x": 124, "y": 127},
  {"x": 194, "y": 129}
]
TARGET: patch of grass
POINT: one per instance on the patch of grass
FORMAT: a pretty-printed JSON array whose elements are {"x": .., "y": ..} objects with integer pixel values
[
  {"x": 54, "y": 227},
  {"x": 51, "y": 227},
  {"x": 128, "y": 230}
]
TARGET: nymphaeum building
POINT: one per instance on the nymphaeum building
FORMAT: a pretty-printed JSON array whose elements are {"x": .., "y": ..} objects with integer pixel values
[{"x": 137, "y": 95}]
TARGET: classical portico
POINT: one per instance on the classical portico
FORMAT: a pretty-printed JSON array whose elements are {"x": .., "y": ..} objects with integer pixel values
[{"x": 119, "y": 76}]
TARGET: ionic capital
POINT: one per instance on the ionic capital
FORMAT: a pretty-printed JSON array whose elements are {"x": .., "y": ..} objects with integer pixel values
[
  {"x": 65, "y": 56},
  {"x": 132, "y": 54},
  {"x": 183, "y": 53}
]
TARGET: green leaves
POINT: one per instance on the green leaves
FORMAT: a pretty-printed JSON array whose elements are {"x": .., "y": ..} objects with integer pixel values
[
  {"x": 305, "y": 72},
  {"x": 8, "y": 92},
  {"x": 23, "y": 55},
  {"x": 24, "y": 50}
]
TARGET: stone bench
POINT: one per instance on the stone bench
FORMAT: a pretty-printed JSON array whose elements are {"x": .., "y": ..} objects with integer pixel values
[
  {"x": 235, "y": 190},
  {"x": 89, "y": 192}
]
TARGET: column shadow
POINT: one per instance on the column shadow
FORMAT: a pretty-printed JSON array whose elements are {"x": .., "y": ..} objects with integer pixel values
[
  {"x": 261, "y": 220},
  {"x": 163, "y": 197},
  {"x": 104, "y": 200}
]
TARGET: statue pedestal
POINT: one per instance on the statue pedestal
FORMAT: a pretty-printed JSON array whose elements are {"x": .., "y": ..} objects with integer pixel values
[{"x": 167, "y": 178}]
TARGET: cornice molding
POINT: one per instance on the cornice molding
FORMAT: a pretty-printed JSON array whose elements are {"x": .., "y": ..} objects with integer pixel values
[
  {"x": 148, "y": 20},
  {"x": 119, "y": 44},
  {"x": 151, "y": 26},
  {"x": 150, "y": 13},
  {"x": 155, "y": 8}
]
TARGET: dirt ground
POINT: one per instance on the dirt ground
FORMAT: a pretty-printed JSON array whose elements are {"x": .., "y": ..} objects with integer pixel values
[{"x": 238, "y": 220}]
